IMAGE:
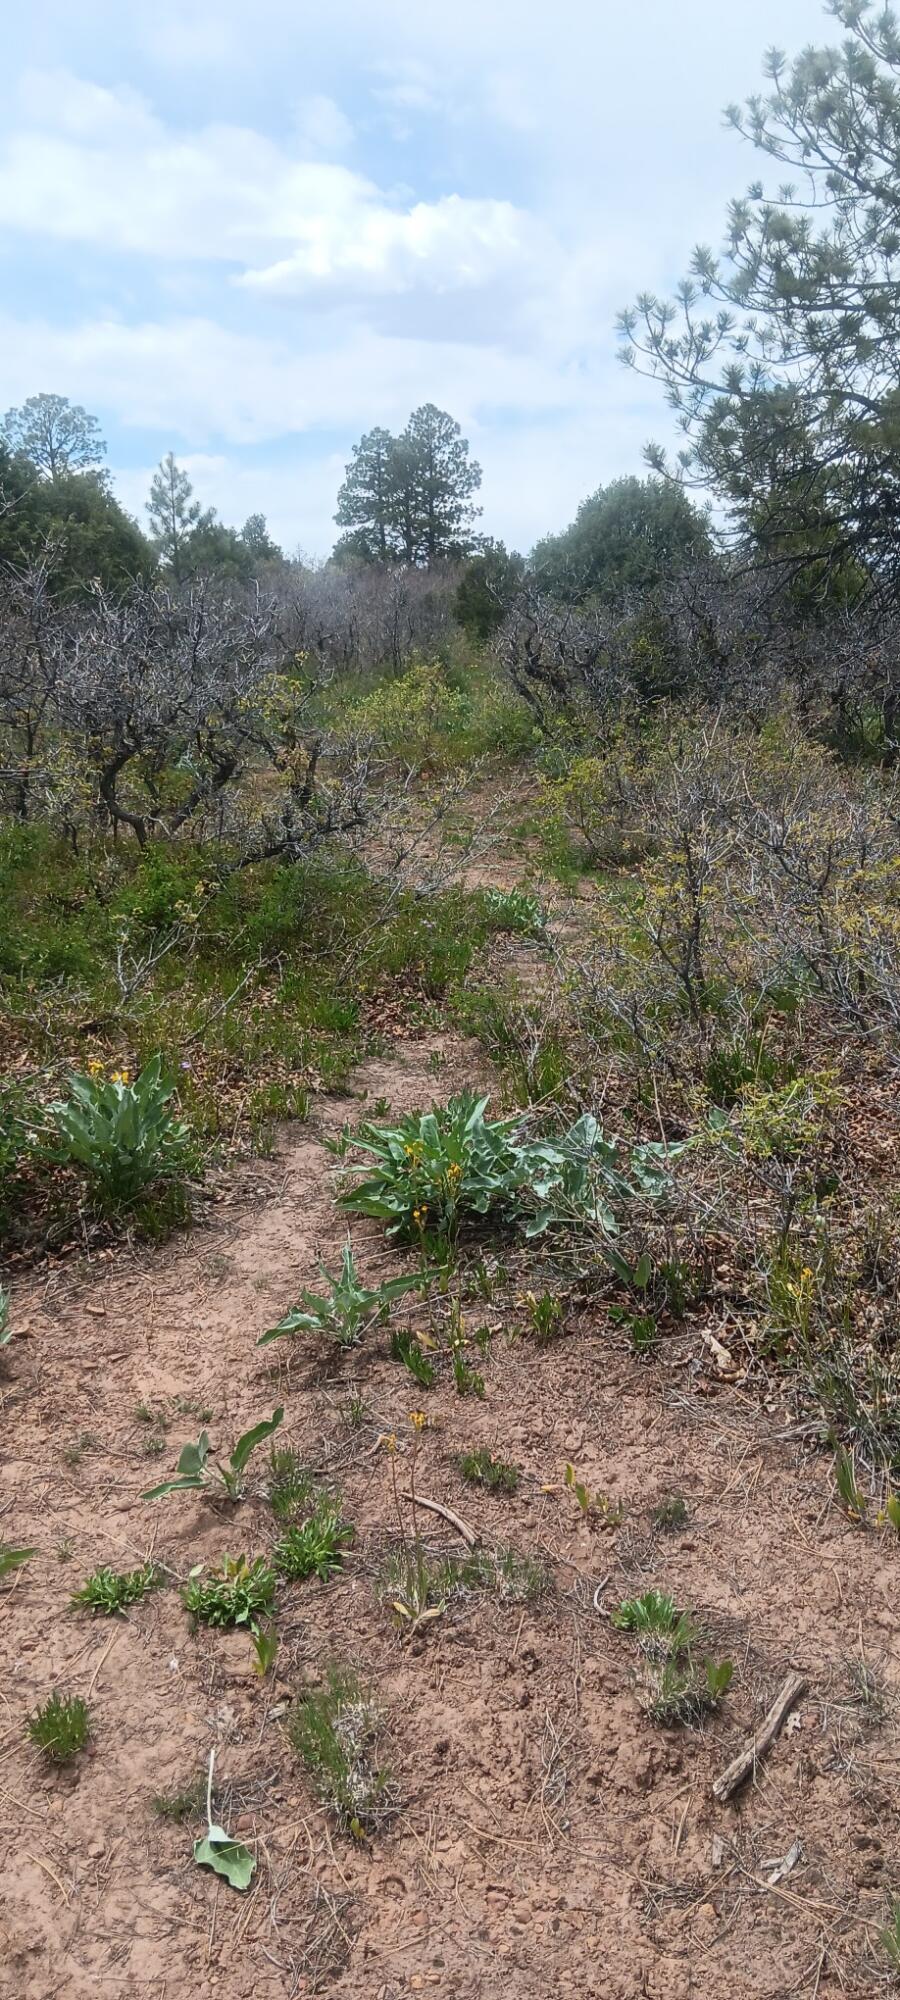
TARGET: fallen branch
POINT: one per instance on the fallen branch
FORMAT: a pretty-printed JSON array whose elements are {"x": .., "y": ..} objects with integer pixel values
[
  {"x": 748, "y": 1759},
  {"x": 446, "y": 1514}
]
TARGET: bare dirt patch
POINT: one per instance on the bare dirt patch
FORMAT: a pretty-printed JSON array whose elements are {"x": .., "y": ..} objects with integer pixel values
[{"x": 551, "y": 1838}]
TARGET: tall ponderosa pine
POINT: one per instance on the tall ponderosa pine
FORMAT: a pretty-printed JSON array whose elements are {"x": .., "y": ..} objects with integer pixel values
[
  {"x": 56, "y": 436},
  {"x": 782, "y": 357},
  {"x": 409, "y": 498}
]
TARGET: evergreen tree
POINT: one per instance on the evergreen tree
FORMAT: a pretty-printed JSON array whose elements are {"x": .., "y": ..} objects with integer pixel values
[
  {"x": 783, "y": 357},
  {"x": 174, "y": 516},
  {"x": 56, "y": 436},
  {"x": 74, "y": 521},
  {"x": 367, "y": 501},
  {"x": 409, "y": 499},
  {"x": 440, "y": 480},
  {"x": 627, "y": 536}
]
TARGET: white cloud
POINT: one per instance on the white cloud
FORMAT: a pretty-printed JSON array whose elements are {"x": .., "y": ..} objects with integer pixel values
[{"x": 97, "y": 166}]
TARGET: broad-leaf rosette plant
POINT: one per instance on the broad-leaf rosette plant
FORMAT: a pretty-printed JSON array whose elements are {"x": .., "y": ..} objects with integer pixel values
[
  {"x": 123, "y": 1134},
  {"x": 436, "y": 1170},
  {"x": 347, "y": 1310}
]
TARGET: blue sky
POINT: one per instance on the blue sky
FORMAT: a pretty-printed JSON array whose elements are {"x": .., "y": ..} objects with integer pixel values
[{"x": 249, "y": 233}]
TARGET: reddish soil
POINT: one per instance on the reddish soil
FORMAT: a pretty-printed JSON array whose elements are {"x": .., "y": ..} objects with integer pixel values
[{"x": 551, "y": 1839}]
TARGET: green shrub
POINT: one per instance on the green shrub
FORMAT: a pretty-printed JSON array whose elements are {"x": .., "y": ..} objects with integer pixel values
[
  {"x": 334, "y": 1731},
  {"x": 122, "y": 1134},
  {"x": 110, "y": 1590},
  {"x": 316, "y": 1546}
]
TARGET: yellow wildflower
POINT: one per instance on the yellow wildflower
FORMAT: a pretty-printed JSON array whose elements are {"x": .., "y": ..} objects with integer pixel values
[
  {"x": 121, "y": 1076},
  {"x": 419, "y": 1419}
]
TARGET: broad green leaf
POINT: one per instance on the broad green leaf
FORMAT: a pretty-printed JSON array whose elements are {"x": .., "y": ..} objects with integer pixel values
[
  {"x": 252, "y": 1438},
  {"x": 194, "y": 1456},
  {"x": 192, "y": 1482},
  {"x": 228, "y": 1857},
  {"x": 11, "y": 1559}
]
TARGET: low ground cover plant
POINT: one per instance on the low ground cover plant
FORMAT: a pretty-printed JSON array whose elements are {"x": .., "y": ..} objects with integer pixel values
[
  {"x": 236, "y": 1592},
  {"x": 679, "y": 1686},
  {"x": 61, "y": 1728},
  {"x": 314, "y": 1547},
  {"x": 110, "y": 1591},
  {"x": 334, "y": 1729},
  {"x": 481, "y": 1468}
]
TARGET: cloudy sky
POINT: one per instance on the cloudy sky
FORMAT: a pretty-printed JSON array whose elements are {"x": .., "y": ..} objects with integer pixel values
[{"x": 250, "y": 232}]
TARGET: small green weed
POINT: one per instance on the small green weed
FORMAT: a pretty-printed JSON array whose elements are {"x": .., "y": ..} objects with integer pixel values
[
  {"x": 852, "y": 1499},
  {"x": 182, "y": 1806},
  {"x": 889, "y": 1937},
  {"x": 481, "y": 1468},
  {"x": 407, "y": 1348},
  {"x": 238, "y": 1592},
  {"x": 316, "y": 1546},
  {"x": 111, "y": 1591},
  {"x": 679, "y": 1688},
  {"x": 670, "y": 1514},
  {"x": 12, "y": 1559},
  {"x": 264, "y": 1640},
  {"x": 546, "y": 1316},
  {"x": 289, "y": 1485},
  {"x": 61, "y": 1728},
  {"x": 600, "y": 1505}
]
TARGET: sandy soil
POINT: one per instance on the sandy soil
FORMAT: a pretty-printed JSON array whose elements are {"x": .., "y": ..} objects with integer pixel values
[{"x": 552, "y": 1840}]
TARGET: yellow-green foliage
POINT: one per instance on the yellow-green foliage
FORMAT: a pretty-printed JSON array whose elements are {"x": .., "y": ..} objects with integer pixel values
[
  {"x": 785, "y": 1121},
  {"x": 421, "y": 720}
]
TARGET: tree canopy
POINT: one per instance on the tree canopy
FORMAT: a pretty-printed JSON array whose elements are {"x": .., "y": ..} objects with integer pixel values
[
  {"x": 409, "y": 498},
  {"x": 56, "y": 436},
  {"x": 782, "y": 357},
  {"x": 73, "y": 523},
  {"x": 627, "y": 536}
]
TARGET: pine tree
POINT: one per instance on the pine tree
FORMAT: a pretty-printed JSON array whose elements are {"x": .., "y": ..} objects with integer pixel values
[
  {"x": 174, "y": 515},
  {"x": 57, "y": 436},
  {"x": 440, "y": 482},
  {"x": 367, "y": 501}
]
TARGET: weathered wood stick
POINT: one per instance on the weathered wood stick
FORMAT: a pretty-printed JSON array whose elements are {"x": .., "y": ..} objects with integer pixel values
[
  {"x": 446, "y": 1514},
  {"x": 748, "y": 1759}
]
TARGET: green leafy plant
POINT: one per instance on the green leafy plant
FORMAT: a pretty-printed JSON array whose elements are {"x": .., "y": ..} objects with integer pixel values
[
  {"x": 218, "y": 1851},
  {"x": 316, "y": 1546},
  {"x": 11, "y": 1558},
  {"x": 892, "y": 1510},
  {"x": 670, "y": 1514},
  {"x": 264, "y": 1640},
  {"x": 334, "y": 1730},
  {"x": 193, "y": 1475},
  {"x": 436, "y": 1170},
  {"x": 61, "y": 1728},
  {"x": 111, "y": 1591},
  {"x": 515, "y": 910},
  {"x": 348, "y": 1310},
  {"x": 5, "y": 1327},
  {"x": 481, "y": 1468},
  {"x": 123, "y": 1134},
  {"x": 407, "y": 1348},
  {"x": 468, "y": 1380},
  {"x": 238, "y": 1592},
  {"x": 653, "y": 1614},
  {"x": 289, "y": 1485}
]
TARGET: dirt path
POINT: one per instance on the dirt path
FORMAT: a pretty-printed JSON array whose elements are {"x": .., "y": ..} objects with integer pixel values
[{"x": 552, "y": 1840}]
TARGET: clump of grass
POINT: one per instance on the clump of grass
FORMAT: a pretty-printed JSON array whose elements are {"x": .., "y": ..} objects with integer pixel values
[
  {"x": 889, "y": 1937},
  {"x": 188, "y": 1804},
  {"x": 679, "y": 1688},
  {"x": 334, "y": 1730},
  {"x": 289, "y": 1484},
  {"x": 112, "y": 1591},
  {"x": 516, "y": 1578},
  {"x": 61, "y": 1728},
  {"x": 481, "y": 1468},
  {"x": 238, "y": 1592},
  {"x": 670, "y": 1514},
  {"x": 314, "y": 1547}
]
